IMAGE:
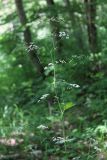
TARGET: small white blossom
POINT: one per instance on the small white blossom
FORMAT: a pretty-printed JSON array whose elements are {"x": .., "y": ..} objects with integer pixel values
[
  {"x": 50, "y": 64},
  {"x": 63, "y": 34},
  {"x": 74, "y": 85},
  {"x": 42, "y": 127},
  {"x": 60, "y": 140},
  {"x": 97, "y": 149},
  {"x": 31, "y": 47},
  {"x": 62, "y": 61},
  {"x": 44, "y": 96},
  {"x": 45, "y": 68},
  {"x": 76, "y": 158}
]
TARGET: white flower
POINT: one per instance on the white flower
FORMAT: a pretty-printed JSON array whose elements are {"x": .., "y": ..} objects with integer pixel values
[
  {"x": 45, "y": 68},
  {"x": 44, "y": 96},
  {"x": 60, "y": 140},
  {"x": 62, "y": 61},
  {"x": 42, "y": 127},
  {"x": 64, "y": 34},
  {"x": 76, "y": 158},
  {"x": 50, "y": 64},
  {"x": 97, "y": 149},
  {"x": 74, "y": 85},
  {"x": 31, "y": 47}
]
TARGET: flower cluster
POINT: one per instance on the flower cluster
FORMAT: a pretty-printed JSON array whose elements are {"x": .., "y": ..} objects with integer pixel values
[
  {"x": 63, "y": 34},
  {"x": 32, "y": 47},
  {"x": 74, "y": 85},
  {"x": 60, "y": 61},
  {"x": 42, "y": 127},
  {"x": 43, "y": 97},
  {"x": 70, "y": 86},
  {"x": 60, "y": 140}
]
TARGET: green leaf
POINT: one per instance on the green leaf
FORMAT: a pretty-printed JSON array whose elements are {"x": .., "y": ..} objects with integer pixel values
[{"x": 68, "y": 105}]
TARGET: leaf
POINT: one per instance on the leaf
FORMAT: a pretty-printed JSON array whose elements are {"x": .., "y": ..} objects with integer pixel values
[{"x": 68, "y": 105}]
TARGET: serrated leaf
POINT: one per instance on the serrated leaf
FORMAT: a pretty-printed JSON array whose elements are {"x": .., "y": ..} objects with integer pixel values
[{"x": 68, "y": 105}]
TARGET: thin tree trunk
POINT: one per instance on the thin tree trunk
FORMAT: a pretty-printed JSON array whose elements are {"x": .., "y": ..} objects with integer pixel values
[
  {"x": 76, "y": 26},
  {"x": 55, "y": 26},
  {"x": 28, "y": 38},
  {"x": 90, "y": 7}
]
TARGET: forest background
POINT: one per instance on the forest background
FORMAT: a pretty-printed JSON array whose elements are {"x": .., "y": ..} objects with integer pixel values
[{"x": 53, "y": 79}]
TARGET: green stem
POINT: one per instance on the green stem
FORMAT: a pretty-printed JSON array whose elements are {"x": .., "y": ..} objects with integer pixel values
[{"x": 59, "y": 104}]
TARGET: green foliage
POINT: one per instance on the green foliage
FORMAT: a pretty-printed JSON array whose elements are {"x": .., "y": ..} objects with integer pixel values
[
  {"x": 68, "y": 106},
  {"x": 67, "y": 110}
]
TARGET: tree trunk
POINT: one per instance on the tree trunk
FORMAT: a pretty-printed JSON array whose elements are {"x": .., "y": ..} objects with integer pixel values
[
  {"x": 90, "y": 7},
  {"x": 76, "y": 26},
  {"x": 55, "y": 26},
  {"x": 28, "y": 38}
]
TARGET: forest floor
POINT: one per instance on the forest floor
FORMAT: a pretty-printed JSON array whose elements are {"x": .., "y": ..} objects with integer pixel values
[{"x": 85, "y": 139}]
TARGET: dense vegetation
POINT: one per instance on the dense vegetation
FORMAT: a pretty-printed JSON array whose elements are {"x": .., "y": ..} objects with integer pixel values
[{"x": 53, "y": 79}]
